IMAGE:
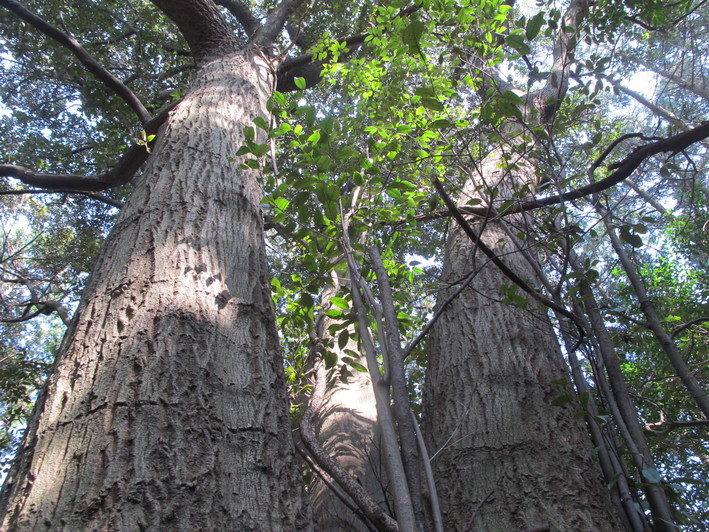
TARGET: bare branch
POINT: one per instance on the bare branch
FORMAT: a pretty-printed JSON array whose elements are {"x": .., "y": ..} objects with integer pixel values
[
  {"x": 657, "y": 109},
  {"x": 98, "y": 197},
  {"x": 687, "y": 325},
  {"x": 512, "y": 276},
  {"x": 82, "y": 55},
  {"x": 622, "y": 170},
  {"x": 678, "y": 80},
  {"x": 663, "y": 428}
]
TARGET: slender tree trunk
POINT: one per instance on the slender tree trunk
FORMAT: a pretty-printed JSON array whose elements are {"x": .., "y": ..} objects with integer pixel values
[
  {"x": 167, "y": 409},
  {"x": 506, "y": 457}
]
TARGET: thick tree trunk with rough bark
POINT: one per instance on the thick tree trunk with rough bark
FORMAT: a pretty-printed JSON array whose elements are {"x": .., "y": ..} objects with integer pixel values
[
  {"x": 167, "y": 409},
  {"x": 506, "y": 458}
]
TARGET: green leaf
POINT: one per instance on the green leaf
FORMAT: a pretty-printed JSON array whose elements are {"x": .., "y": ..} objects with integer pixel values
[
  {"x": 356, "y": 365},
  {"x": 432, "y": 104},
  {"x": 339, "y": 302},
  {"x": 613, "y": 480},
  {"x": 314, "y": 137},
  {"x": 279, "y": 98},
  {"x": 652, "y": 475},
  {"x": 516, "y": 41},
  {"x": 630, "y": 238},
  {"x": 343, "y": 338},
  {"x": 300, "y": 83},
  {"x": 330, "y": 359},
  {"x": 411, "y": 36},
  {"x": 534, "y": 25},
  {"x": 249, "y": 133},
  {"x": 261, "y": 122},
  {"x": 281, "y": 204},
  {"x": 562, "y": 400}
]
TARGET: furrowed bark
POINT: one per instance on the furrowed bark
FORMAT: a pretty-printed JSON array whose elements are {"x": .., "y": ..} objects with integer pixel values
[
  {"x": 167, "y": 409},
  {"x": 490, "y": 415}
]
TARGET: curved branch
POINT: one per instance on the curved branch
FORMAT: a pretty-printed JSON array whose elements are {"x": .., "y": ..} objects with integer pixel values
[
  {"x": 664, "y": 428},
  {"x": 266, "y": 35},
  {"x": 121, "y": 173},
  {"x": 622, "y": 170},
  {"x": 71, "y": 44},
  {"x": 303, "y": 66},
  {"x": 98, "y": 197},
  {"x": 687, "y": 325},
  {"x": 202, "y": 25},
  {"x": 242, "y": 14}
]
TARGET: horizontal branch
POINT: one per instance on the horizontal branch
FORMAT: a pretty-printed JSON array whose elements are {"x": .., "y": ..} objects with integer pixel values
[
  {"x": 86, "y": 59},
  {"x": 131, "y": 161},
  {"x": 92, "y": 195},
  {"x": 622, "y": 170},
  {"x": 660, "y": 429},
  {"x": 687, "y": 325},
  {"x": 303, "y": 66}
]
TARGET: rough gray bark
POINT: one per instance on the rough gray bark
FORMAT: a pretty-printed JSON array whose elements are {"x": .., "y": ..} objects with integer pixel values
[
  {"x": 505, "y": 458},
  {"x": 167, "y": 408}
]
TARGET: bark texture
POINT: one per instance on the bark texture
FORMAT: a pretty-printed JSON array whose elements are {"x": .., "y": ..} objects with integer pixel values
[
  {"x": 347, "y": 430},
  {"x": 506, "y": 459},
  {"x": 167, "y": 409}
]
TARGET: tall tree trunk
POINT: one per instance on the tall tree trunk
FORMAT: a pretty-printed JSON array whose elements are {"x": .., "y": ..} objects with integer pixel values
[
  {"x": 346, "y": 429},
  {"x": 506, "y": 458},
  {"x": 167, "y": 408}
]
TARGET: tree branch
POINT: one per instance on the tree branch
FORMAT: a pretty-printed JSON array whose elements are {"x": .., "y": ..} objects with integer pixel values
[
  {"x": 266, "y": 34},
  {"x": 121, "y": 173},
  {"x": 657, "y": 109},
  {"x": 623, "y": 170},
  {"x": 98, "y": 197},
  {"x": 687, "y": 325},
  {"x": 512, "y": 276},
  {"x": 664, "y": 428},
  {"x": 202, "y": 25},
  {"x": 82, "y": 55},
  {"x": 303, "y": 66},
  {"x": 242, "y": 14}
]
